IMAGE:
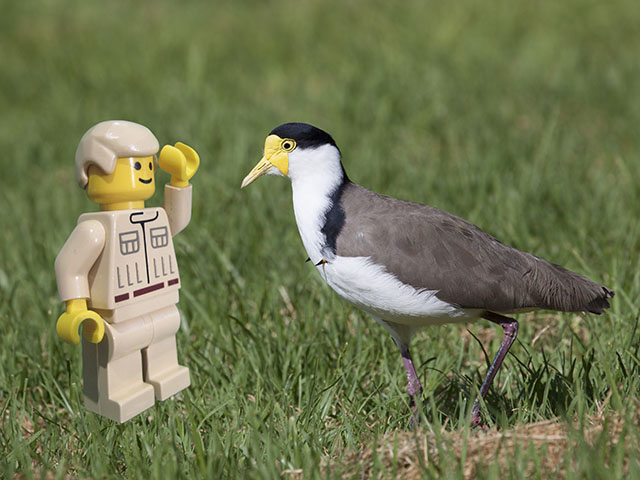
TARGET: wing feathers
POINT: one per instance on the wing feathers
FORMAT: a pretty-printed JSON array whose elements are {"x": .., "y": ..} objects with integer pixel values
[{"x": 432, "y": 249}]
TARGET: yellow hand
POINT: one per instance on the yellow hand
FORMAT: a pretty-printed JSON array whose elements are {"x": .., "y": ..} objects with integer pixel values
[
  {"x": 180, "y": 161},
  {"x": 76, "y": 314}
]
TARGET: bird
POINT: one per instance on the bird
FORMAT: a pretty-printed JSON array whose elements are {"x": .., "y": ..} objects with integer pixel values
[{"x": 410, "y": 265}]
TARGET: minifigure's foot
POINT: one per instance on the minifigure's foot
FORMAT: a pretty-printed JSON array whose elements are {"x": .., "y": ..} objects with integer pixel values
[
  {"x": 124, "y": 405},
  {"x": 169, "y": 382}
]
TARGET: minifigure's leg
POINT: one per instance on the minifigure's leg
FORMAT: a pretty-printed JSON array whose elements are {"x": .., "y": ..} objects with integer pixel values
[
  {"x": 90, "y": 369},
  {"x": 113, "y": 376},
  {"x": 161, "y": 357}
]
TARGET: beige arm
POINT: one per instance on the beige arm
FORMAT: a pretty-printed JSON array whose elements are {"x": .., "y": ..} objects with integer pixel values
[
  {"x": 181, "y": 162},
  {"x": 75, "y": 259},
  {"x": 72, "y": 266},
  {"x": 177, "y": 204}
]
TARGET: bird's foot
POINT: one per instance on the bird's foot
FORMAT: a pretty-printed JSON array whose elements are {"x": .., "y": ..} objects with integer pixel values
[
  {"x": 415, "y": 419},
  {"x": 476, "y": 418},
  {"x": 477, "y": 423}
]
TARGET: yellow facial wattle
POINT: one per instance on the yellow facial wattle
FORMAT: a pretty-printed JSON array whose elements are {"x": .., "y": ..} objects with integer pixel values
[{"x": 276, "y": 154}]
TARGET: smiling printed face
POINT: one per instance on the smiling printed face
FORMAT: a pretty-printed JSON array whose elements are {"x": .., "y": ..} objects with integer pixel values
[{"x": 132, "y": 180}]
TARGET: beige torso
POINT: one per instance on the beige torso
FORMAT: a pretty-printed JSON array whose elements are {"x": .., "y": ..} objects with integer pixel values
[{"x": 137, "y": 267}]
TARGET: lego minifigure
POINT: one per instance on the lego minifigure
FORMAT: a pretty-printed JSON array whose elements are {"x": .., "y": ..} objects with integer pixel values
[{"x": 117, "y": 272}]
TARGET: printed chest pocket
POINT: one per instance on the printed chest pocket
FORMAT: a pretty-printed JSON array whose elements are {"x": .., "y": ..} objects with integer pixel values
[
  {"x": 129, "y": 242},
  {"x": 159, "y": 237}
]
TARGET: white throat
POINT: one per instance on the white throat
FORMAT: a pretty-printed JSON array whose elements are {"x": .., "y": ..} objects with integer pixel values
[{"x": 315, "y": 174}]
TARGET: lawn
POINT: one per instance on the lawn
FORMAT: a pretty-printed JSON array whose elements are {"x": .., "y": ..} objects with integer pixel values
[{"x": 522, "y": 118}]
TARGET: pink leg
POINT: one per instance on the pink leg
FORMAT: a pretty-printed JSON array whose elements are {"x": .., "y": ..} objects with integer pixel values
[
  {"x": 414, "y": 386},
  {"x": 510, "y": 327}
]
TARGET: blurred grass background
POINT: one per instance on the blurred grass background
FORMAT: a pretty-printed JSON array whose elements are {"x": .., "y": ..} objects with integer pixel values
[{"x": 520, "y": 117}]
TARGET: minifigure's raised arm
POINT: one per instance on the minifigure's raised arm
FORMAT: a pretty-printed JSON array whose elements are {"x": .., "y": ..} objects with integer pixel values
[
  {"x": 177, "y": 204},
  {"x": 181, "y": 162}
]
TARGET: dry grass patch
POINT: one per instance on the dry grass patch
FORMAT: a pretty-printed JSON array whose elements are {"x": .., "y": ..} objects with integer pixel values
[{"x": 547, "y": 447}]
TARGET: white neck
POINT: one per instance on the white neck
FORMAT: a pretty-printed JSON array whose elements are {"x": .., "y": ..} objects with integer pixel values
[{"x": 315, "y": 174}]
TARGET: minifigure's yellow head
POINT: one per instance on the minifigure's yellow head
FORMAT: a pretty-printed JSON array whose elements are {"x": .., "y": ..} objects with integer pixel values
[
  {"x": 132, "y": 180},
  {"x": 115, "y": 162}
]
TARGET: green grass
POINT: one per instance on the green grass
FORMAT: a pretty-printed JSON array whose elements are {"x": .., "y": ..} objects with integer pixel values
[{"x": 523, "y": 119}]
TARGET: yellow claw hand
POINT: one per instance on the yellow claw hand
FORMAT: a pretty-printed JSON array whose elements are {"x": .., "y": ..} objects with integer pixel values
[
  {"x": 70, "y": 321},
  {"x": 181, "y": 161}
]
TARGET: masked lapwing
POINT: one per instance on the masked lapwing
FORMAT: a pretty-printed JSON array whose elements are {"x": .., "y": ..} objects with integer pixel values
[{"x": 410, "y": 265}]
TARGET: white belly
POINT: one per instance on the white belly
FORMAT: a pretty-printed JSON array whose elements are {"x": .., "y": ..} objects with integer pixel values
[{"x": 379, "y": 293}]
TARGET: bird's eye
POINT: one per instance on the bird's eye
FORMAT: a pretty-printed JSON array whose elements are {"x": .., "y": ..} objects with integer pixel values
[
  {"x": 288, "y": 145},
  {"x": 137, "y": 166}
]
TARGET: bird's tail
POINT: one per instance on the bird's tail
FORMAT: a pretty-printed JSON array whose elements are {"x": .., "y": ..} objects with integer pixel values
[
  {"x": 601, "y": 303},
  {"x": 564, "y": 290}
]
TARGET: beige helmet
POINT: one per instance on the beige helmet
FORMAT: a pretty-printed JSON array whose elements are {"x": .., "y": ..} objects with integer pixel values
[{"x": 105, "y": 142}]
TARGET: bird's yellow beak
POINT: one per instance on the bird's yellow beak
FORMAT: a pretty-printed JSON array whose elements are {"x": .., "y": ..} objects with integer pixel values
[{"x": 274, "y": 156}]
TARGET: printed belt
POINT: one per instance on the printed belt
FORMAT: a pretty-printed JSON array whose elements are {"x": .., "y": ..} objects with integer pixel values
[{"x": 142, "y": 291}]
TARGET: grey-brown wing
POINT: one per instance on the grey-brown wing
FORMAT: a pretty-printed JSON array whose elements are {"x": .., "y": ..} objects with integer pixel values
[{"x": 432, "y": 249}]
